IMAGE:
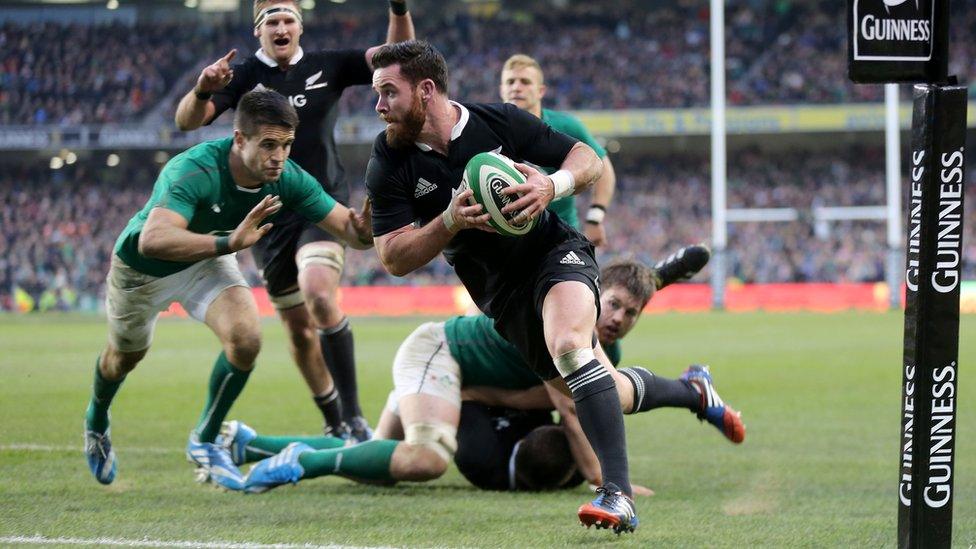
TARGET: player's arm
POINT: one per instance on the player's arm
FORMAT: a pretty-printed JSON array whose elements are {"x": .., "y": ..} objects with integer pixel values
[
  {"x": 579, "y": 446},
  {"x": 533, "y": 398},
  {"x": 577, "y": 173},
  {"x": 400, "y": 28},
  {"x": 165, "y": 234},
  {"x": 197, "y": 108},
  {"x": 352, "y": 226},
  {"x": 603, "y": 191},
  {"x": 408, "y": 248}
]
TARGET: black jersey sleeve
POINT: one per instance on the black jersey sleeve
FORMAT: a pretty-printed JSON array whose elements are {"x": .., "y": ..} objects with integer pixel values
[
  {"x": 536, "y": 141},
  {"x": 352, "y": 68},
  {"x": 387, "y": 191},
  {"x": 228, "y": 96}
]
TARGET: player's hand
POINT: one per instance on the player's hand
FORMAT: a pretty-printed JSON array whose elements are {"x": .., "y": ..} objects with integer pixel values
[
  {"x": 251, "y": 230},
  {"x": 467, "y": 216},
  {"x": 534, "y": 195},
  {"x": 362, "y": 223},
  {"x": 214, "y": 77},
  {"x": 595, "y": 233}
]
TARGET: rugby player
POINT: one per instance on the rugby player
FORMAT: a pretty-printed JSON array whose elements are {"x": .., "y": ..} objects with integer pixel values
[
  {"x": 300, "y": 263},
  {"x": 485, "y": 370},
  {"x": 541, "y": 289},
  {"x": 208, "y": 202},
  {"x": 523, "y": 85}
]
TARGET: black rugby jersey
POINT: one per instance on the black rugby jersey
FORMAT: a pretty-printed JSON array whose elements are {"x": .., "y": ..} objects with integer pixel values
[
  {"x": 313, "y": 84},
  {"x": 415, "y": 184}
]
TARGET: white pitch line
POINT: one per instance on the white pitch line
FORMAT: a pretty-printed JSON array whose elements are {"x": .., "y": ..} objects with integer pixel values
[
  {"x": 80, "y": 448},
  {"x": 146, "y": 542}
]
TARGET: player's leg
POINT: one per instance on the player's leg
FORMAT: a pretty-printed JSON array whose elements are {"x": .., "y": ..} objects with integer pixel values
[
  {"x": 216, "y": 294},
  {"x": 246, "y": 445},
  {"x": 320, "y": 261},
  {"x": 429, "y": 395},
  {"x": 275, "y": 253},
  {"x": 389, "y": 426},
  {"x": 132, "y": 303},
  {"x": 568, "y": 316}
]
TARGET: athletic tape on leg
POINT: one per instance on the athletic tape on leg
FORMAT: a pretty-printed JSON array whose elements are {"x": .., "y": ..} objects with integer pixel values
[
  {"x": 287, "y": 301},
  {"x": 567, "y": 363},
  {"x": 327, "y": 256},
  {"x": 439, "y": 437}
]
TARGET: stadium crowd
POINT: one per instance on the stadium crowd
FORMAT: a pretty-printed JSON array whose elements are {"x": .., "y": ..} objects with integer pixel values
[
  {"x": 595, "y": 57},
  {"x": 57, "y": 227}
]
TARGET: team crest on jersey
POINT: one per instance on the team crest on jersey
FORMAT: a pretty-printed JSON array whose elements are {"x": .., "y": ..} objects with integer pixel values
[{"x": 310, "y": 82}]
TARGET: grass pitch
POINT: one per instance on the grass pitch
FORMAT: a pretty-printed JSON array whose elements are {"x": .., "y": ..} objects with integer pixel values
[{"x": 819, "y": 393}]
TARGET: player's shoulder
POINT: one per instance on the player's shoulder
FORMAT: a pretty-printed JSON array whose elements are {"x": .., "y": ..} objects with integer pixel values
[
  {"x": 201, "y": 160},
  {"x": 560, "y": 118},
  {"x": 491, "y": 111}
]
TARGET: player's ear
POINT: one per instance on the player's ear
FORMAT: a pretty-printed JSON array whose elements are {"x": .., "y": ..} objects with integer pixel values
[
  {"x": 542, "y": 91},
  {"x": 427, "y": 88},
  {"x": 238, "y": 138},
  {"x": 257, "y": 32}
]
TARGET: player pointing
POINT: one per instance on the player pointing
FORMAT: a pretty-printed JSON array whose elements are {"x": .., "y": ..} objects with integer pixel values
[
  {"x": 301, "y": 264},
  {"x": 208, "y": 202}
]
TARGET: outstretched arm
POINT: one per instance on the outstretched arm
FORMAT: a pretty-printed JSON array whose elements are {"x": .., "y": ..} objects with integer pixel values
[
  {"x": 400, "y": 28},
  {"x": 165, "y": 234},
  {"x": 196, "y": 108}
]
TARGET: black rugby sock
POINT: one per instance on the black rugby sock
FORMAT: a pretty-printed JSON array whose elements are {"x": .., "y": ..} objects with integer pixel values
[
  {"x": 651, "y": 391},
  {"x": 338, "y": 351},
  {"x": 598, "y": 410},
  {"x": 331, "y": 408}
]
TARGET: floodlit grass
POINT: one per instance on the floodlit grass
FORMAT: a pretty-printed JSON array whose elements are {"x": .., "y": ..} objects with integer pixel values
[{"x": 819, "y": 393}]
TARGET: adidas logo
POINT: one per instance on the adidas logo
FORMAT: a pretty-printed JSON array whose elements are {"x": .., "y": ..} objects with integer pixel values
[
  {"x": 571, "y": 259},
  {"x": 423, "y": 187}
]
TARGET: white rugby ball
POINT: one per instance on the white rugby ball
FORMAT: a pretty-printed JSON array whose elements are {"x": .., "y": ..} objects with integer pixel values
[{"x": 487, "y": 174}]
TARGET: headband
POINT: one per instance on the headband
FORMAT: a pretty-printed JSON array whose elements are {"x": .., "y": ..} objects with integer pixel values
[{"x": 264, "y": 14}]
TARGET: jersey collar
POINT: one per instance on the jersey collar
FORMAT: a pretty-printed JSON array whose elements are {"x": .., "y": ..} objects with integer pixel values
[
  {"x": 267, "y": 60},
  {"x": 455, "y": 131}
]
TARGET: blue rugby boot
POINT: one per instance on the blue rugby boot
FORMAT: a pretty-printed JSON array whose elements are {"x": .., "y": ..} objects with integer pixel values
[
  {"x": 101, "y": 456},
  {"x": 610, "y": 509},
  {"x": 214, "y": 464},
  {"x": 713, "y": 409},
  {"x": 234, "y": 437},
  {"x": 276, "y": 470}
]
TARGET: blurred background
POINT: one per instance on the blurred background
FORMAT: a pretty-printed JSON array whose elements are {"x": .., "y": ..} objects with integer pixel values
[{"x": 88, "y": 92}]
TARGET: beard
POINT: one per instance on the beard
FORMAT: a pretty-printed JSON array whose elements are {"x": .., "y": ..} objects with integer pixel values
[{"x": 405, "y": 132}]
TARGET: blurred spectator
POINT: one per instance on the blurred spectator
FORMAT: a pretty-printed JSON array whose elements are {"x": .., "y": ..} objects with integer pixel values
[{"x": 58, "y": 227}]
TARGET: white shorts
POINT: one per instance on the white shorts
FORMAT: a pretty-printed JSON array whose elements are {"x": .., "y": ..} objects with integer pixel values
[
  {"x": 424, "y": 365},
  {"x": 133, "y": 300}
]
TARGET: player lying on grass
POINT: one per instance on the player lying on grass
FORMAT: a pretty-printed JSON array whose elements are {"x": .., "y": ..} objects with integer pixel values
[
  {"x": 438, "y": 358},
  {"x": 208, "y": 202}
]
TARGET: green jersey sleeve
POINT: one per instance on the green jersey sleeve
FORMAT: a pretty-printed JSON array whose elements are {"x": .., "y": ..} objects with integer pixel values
[
  {"x": 302, "y": 193},
  {"x": 575, "y": 128}
]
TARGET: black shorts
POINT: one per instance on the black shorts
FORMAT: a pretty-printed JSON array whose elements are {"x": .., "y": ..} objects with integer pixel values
[
  {"x": 275, "y": 253},
  {"x": 486, "y": 437},
  {"x": 520, "y": 321}
]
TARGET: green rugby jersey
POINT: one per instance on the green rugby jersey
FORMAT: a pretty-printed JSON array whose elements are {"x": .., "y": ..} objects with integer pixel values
[
  {"x": 484, "y": 356},
  {"x": 197, "y": 184},
  {"x": 568, "y": 124},
  {"x": 487, "y": 359}
]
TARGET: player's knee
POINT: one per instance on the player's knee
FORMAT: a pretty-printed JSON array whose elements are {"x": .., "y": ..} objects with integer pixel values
[
  {"x": 569, "y": 341},
  {"x": 431, "y": 446},
  {"x": 115, "y": 364},
  {"x": 424, "y": 464},
  {"x": 243, "y": 346},
  {"x": 324, "y": 308},
  {"x": 301, "y": 331}
]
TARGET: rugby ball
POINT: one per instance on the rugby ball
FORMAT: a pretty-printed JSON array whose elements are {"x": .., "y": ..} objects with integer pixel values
[{"x": 487, "y": 174}]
